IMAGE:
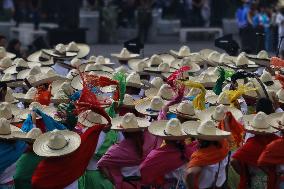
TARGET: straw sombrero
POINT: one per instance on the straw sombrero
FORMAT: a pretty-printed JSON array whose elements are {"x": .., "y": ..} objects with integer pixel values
[
  {"x": 243, "y": 62},
  {"x": 280, "y": 95},
  {"x": 4, "y": 53},
  {"x": 72, "y": 73},
  {"x": 133, "y": 80},
  {"x": 159, "y": 64},
  {"x": 90, "y": 118},
  {"x": 27, "y": 97},
  {"x": 258, "y": 124},
  {"x": 222, "y": 98},
  {"x": 207, "y": 80},
  {"x": 165, "y": 91},
  {"x": 59, "y": 97},
  {"x": 48, "y": 110},
  {"x": 129, "y": 123},
  {"x": 81, "y": 49},
  {"x": 123, "y": 69},
  {"x": 75, "y": 62},
  {"x": 138, "y": 64},
  {"x": 95, "y": 67},
  {"x": 6, "y": 129},
  {"x": 128, "y": 101},
  {"x": 5, "y": 63},
  {"x": 261, "y": 58},
  {"x": 168, "y": 129},
  {"x": 178, "y": 63},
  {"x": 9, "y": 97},
  {"x": 56, "y": 143},
  {"x": 269, "y": 83},
  {"x": 10, "y": 112},
  {"x": 124, "y": 55},
  {"x": 217, "y": 113},
  {"x": 184, "y": 51},
  {"x": 276, "y": 120},
  {"x": 62, "y": 84},
  {"x": 184, "y": 109},
  {"x": 42, "y": 58},
  {"x": 205, "y": 131},
  {"x": 11, "y": 80},
  {"x": 99, "y": 60},
  {"x": 59, "y": 52},
  {"x": 20, "y": 64},
  {"x": 157, "y": 82},
  {"x": 32, "y": 71},
  {"x": 30, "y": 136},
  {"x": 150, "y": 106}
]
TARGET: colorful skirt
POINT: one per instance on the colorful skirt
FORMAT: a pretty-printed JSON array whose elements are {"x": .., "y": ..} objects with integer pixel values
[{"x": 94, "y": 179}]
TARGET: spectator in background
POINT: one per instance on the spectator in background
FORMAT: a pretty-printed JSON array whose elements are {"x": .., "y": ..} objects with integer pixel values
[
  {"x": 3, "y": 41},
  {"x": 280, "y": 23},
  {"x": 197, "y": 19},
  {"x": 144, "y": 19},
  {"x": 14, "y": 46}
]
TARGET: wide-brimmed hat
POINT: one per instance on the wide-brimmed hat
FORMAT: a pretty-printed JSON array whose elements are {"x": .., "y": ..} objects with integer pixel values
[
  {"x": 56, "y": 143},
  {"x": 258, "y": 124},
  {"x": 48, "y": 110},
  {"x": 150, "y": 106},
  {"x": 129, "y": 123},
  {"x": 62, "y": 84},
  {"x": 32, "y": 71},
  {"x": 157, "y": 82},
  {"x": 276, "y": 120},
  {"x": 133, "y": 80},
  {"x": 29, "y": 96},
  {"x": 4, "y": 53},
  {"x": 72, "y": 73},
  {"x": 205, "y": 131},
  {"x": 99, "y": 60},
  {"x": 5, "y": 63},
  {"x": 60, "y": 52},
  {"x": 280, "y": 95},
  {"x": 20, "y": 64},
  {"x": 40, "y": 57},
  {"x": 10, "y": 112},
  {"x": 178, "y": 63},
  {"x": 124, "y": 55},
  {"x": 270, "y": 83},
  {"x": 217, "y": 113},
  {"x": 90, "y": 118},
  {"x": 11, "y": 80},
  {"x": 59, "y": 97},
  {"x": 76, "y": 62},
  {"x": 206, "y": 79},
  {"x": 165, "y": 91},
  {"x": 138, "y": 64},
  {"x": 95, "y": 67},
  {"x": 128, "y": 101},
  {"x": 261, "y": 58},
  {"x": 222, "y": 98},
  {"x": 184, "y": 109},
  {"x": 7, "y": 129},
  {"x": 30, "y": 136},
  {"x": 184, "y": 51},
  {"x": 159, "y": 64},
  {"x": 243, "y": 62},
  {"x": 81, "y": 49},
  {"x": 9, "y": 97},
  {"x": 168, "y": 129},
  {"x": 251, "y": 93}
]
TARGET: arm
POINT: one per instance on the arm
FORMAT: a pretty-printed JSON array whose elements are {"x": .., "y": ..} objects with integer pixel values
[{"x": 190, "y": 176}]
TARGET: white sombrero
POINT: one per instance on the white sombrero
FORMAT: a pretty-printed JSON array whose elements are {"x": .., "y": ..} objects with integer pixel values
[
  {"x": 48, "y": 110},
  {"x": 184, "y": 51},
  {"x": 158, "y": 65},
  {"x": 133, "y": 80},
  {"x": 81, "y": 49},
  {"x": 59, "y": 52},
  {"x": 27, "y": 97},
  {"x": 205, "y": 131},
  {"x": 243, "y": 62},
  {"x": 5, "y": 63},
  {"x": 10, "y": 112},
  {"x": 41, "y": 58},
  {"x": 6, "y": 129},
  {"x": 72, "y": 73},
  {"x": 56, "y": 143},
  {"x": 20, "y": 64},
  {"x": 9, "y": 97},
  {"x": 76, "y": 62},
  {"x": 280, "y": 95},
  {"x": 4, "y": 53},
  {"x": 184, "y": 109},
  {"x": 128, "y": 101},
  {"x": 59, "y": 97},
  {"x": 207, "y": 80},
  {"x": 178, "y": 63},
  {"x": 138, "y": 64},
  {"x": 99, "y": 60},
  {"x": 95, "y": 67},
  {"x": 90, "y": 118},
  {"x": 165, "y": 91},
  {"x": 30, "y": 136},
  {"x": 276, "y": 120},
  {"x": 124, "y": 55},
  {"x": 217, "y": 113},
  {"x": 261, "y": 58},
  {"x": 168, "y": 129},
  {"x": 258, "y": 124},
  {"x": 62, "y": 84},
  {"x": 32, "y": 71},
  {"x": 129, "y": 123},
  {"x": 270, "y": 83},
  {"x": 157, "y": 82},
  {"x": 222, "y": 98},
  {"x": 150, "y": 106}
]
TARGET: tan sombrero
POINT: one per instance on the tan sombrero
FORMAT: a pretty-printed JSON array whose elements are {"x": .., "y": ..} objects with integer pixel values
[
  {"x": 157, "y": 82},
  {"x": 10, "y": 112},
  {"x": 56, "y": 143},
  {"x": 184, "y": 51},
  {"x": 133, "y": 80},
  {"x": 76, "y": 62},
  {"x": 20, "y": 64},
  {"x": 30, "y": 136},
  {"x": 26, "y": 97},
  {"x": 81, "y": 49},
  {"x": 261, "y": 58},
  {"x": 165, "y": 91},
  {"x": 124, "y": 55},
  {"x": 72, "y": 73},
  {"x": 129, "y": 123},
  {"x": 222, "y": 98},
  {"x": 59, "y": 97},
  {"x": 217, "y": 113},
  {"x": 7, "y": 130},
  {"x": 62, "y": 84},
  {"x": 207, "y": 80},
  {"x": 90, "y": 118},
  {"x": 48, "y": 110},
  {"x": 178, "y": 63},
  {"x": 258, "y": 124},
  {"x": 168, "y": 129},
  {"x": 59, "y": 52},
  {"x": 42, "y": 58},
  {"x": 243, "y": 62},
  {"x": 32, "y": 71},
  {"x": 184, "y": 109},
  {"x": 128, "y": 101},
  {"x": 99, "y": 60},
  {"x": 95, "y": 67},
  {"x": 4, "y": 53},
  {"x": 276, "y": 120},
  {"x": 159, "y": 64},
  {"x": 269, "y": 82},
  {"x": 150, "y": 106},
  {"x": 138, "y": 64},
  {"x": 9, "y": 97},
  {"x": 205, "y": 131},
  {"x": 5, "y": 63}
]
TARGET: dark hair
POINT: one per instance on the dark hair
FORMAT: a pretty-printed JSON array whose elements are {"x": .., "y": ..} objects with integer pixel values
[
  {"x": 181, "y": 147},
  {"x": 2, "y": 37},
  {"x": 264, "y": 105},
  {"x": 206, "y": 143},
  {"x": 11, "y": 47}
]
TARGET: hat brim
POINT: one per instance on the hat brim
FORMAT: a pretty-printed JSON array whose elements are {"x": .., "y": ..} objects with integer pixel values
[
  {"x": 143, "y": 105},
  {"x": 206, "y": 115},
  {"x": 191, "y": 127},
  {"x": 213, "y": 99},
  {"x": 133, "y": 63},
  {"x": 41, "y": 148},
  {"x": 119, "y": 57},
  {"x": 11, "y": 135},
  {"x": 25, "y": 73},
  {"x": 173, "y": 109},
  {"x": 157, "y": 128},
  {"x": 34, "y": 57},
  {"x": 20, "y": 135},
  {"x": 84, "y": 50},
  {"x": 154, "y": 92},
  {"x": 274, "y": 119},
  {"x": 156, "y": 70},
  {"x": 13, "y": 69},
  {"x": 247, "y": 119},
  {"x": 107, "y": 62},
  {"x": 259, "y": 61},
  {"x": 177, "y": 55},
  {"x": 99, "y": 67},
  {"x": 88, "y": 123},
  {"x": 67, "y": 55},
  {"x": 176, "y": 64},
  {"x": 22, "y": 97},
  {"x": 116, "y": 124}
]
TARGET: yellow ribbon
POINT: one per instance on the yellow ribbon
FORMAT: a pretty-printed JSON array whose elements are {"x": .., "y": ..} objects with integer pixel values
[{"x": 234, "y": 95}]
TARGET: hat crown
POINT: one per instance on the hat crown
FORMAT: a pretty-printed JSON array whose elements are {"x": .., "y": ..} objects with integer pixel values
[
  {"x": 266, "y": 76},
  {"x": 184, "y": 51},
  {"x": 141, "y": 65},
  {"x": 19, "y": 62},
  {"x": 129, "y": 120},
  {"x": 92, "y": 58},
  {"x": 34, "y": 133},
  {"x": 5, "y": 62},
  {"x": 157, "y": 82},
  {"x": 259, "y": 121},
  {"x": 207, "y": 128},
  {"x": 57, "y": 141},
  {"x": 133, "y": 78},
  {"x": 173, "y": 127},
  {"x": 35, "y": 70},
  {"x": 124, "y": 53},
  {"x": 7, "y": 77},
  {"x": 128, "y": 100},
  {"x": 9, "y": 95},
  {"x": 72, "y": 73},
  {"x": 223, "y": 98},
  {"x": 67, "y": 88},
  {"x": 263, "y": 54},
  {"x": 2, "y": 52},
  {"x": 224, "y": 57},
  {"x": 44, "y": 55},
  {"x": 165, "y": 91},
  {"x": 5, "y": 127},
  {"x": 186, "y": 107},
  {"x": 155, "y": 60},
  {"x": 219, "y": 112},
  {"x": 213, "y": 56},
  {"x": 93, "y": 117},
  {"x": 60, "y": 48},
  {"x": 156, "y": 103},
  {"x": 59, "y": 94},
  {"x": 31, "y": 93},
  {"x": 5, "y": 110},
  {"x": 31, "y": 78},
  {"x": 100, "y": 60},
  {"x": 164, "y": 67},
  {"x": 75, "y": 62},
  {"x": 73, "y": 47},
  {"x": 242, "y": 60},
  {"x": 280, "y": 94}
]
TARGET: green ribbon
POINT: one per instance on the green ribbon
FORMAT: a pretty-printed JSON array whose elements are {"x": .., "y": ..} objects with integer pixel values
[{"x": 223, "y": 75}]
